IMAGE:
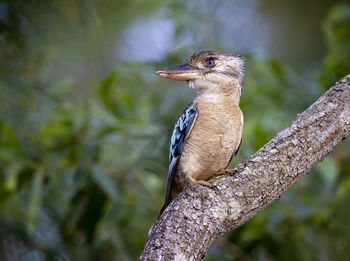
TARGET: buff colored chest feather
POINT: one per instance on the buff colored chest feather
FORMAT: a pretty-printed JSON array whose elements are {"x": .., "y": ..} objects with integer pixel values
[{"x": 215, "y": 136}]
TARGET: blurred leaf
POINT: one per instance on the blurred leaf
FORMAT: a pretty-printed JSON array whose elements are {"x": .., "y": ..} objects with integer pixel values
[
  {"x": 11, "y": 178},
  {"x": 115, "y": 98},
  {"x": 91, "y": 215},
  {"x": 337, "y": 33},
  {"x": 34, "y": 200},
  {"x": 105, "y": 182},
  {"x": 8, "y": 137},
  {"x": 106, "y": 90},
  {"x": 344, "y": 188},
  {"x": 329, "y": 170}
]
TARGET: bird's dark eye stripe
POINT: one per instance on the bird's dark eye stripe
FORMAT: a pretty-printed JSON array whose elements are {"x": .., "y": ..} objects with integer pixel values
[{"x": 210, "y": 62}]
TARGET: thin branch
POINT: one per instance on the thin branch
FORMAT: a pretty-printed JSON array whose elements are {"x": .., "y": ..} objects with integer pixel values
[{"x": 199, "y": 215}]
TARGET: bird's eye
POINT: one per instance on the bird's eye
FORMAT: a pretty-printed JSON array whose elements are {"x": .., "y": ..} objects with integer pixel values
[{"x": 210, "y": 62}]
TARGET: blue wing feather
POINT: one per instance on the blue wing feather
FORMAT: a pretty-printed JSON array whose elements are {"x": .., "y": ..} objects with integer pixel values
[{"x": 181, "y": 131}]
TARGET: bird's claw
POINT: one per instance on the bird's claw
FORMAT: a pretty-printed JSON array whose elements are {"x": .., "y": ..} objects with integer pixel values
[
  {"x": 225, "y": 172},
  {"x": 214, "y": 187}
]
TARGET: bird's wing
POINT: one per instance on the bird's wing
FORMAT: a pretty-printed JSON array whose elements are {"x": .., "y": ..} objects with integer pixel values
[
  {"x": 238, "y": 149},
  {"x": 181, "y": 131},
  {"x": 235, "y": 153}
]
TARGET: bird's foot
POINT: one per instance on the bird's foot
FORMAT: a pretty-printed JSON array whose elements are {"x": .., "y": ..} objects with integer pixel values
[
  {"x": 224, "y": 172},
  {"x": 201, "y": 182},
  {"x": 204, "y": 183}
]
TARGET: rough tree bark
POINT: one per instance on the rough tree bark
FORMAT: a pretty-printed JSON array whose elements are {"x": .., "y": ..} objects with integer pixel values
[{"x": 199, "y": 215}]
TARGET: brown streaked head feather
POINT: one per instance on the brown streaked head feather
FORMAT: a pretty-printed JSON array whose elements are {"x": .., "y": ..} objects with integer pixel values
[{"x": 235, "y": 69}]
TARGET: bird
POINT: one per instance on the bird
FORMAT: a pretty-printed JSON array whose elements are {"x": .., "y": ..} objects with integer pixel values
[{"x": 208, "y": 133}]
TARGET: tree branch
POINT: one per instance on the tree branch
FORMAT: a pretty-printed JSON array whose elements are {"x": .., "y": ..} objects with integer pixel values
[{"x": 199, "y": 215}]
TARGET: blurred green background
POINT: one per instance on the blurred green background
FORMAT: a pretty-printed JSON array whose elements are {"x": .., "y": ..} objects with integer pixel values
[{"x": 85, "y": 123}]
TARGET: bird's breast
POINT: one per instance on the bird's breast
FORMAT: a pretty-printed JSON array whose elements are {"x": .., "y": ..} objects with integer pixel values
[{"x": 215, "y": 136}]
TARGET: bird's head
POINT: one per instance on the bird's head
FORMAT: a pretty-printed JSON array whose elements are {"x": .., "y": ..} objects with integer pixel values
[{"x": 209, "y": 71}]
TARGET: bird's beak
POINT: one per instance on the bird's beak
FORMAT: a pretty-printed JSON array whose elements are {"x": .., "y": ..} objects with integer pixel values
[{"x": 183, "y": 72}]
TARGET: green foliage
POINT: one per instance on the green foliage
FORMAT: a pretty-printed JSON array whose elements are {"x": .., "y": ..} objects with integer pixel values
[
  {"x": 337, "y": 59},
  {"x": 84, "y": 152}
]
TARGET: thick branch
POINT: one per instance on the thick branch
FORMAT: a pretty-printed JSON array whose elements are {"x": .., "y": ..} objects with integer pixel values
[{"x": 199, "y": 215}]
